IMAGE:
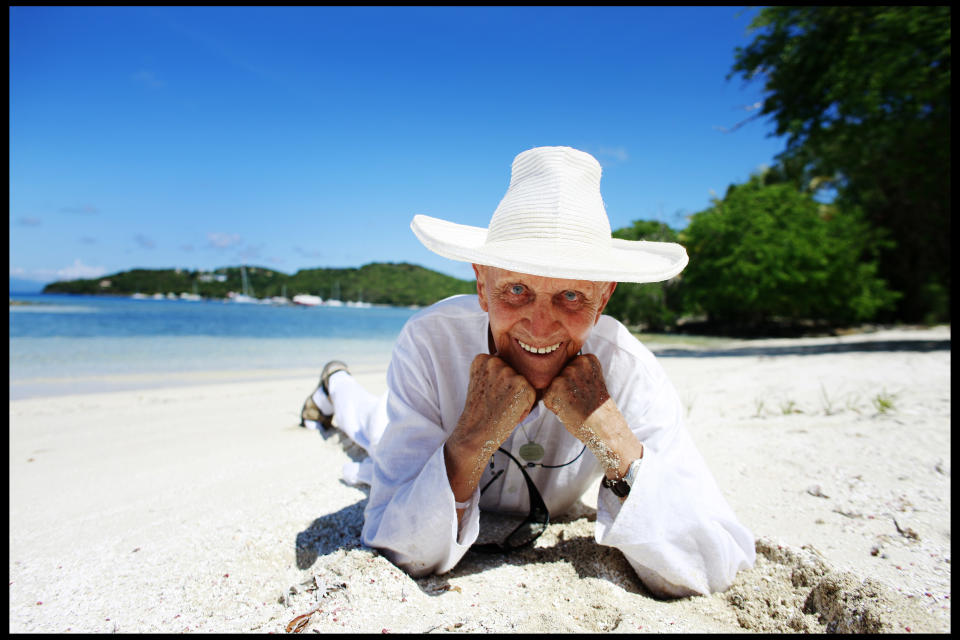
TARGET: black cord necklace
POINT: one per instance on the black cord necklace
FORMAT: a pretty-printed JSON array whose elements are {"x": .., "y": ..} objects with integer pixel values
[
  {"x": 557, "y": 466},
  {"x": 529, "y": 465}
]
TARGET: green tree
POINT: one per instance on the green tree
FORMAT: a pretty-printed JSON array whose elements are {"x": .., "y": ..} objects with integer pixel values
[
  {"x": 772, "y": 253},
  {"x": 380, "y": 283},
  {"x": 863, "y": 96},
  {"x": 654, "y": 305}
]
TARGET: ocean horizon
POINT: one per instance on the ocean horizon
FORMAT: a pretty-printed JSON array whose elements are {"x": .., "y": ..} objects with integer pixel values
[{"x": 63, "y": 343}]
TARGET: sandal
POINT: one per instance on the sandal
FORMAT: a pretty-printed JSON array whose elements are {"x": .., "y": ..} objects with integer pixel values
[
  {"x": 310, "y": 415},
  {"x": 328, "y": 370}
]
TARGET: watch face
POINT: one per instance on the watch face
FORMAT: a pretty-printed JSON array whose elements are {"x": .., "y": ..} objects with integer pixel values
[{"x": 620, "y": 488}]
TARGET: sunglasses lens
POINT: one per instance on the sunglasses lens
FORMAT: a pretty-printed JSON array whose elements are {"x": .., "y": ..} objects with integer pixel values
[
  {"x": 526, "y": 533},
  {"x": 531, "y": 528}
]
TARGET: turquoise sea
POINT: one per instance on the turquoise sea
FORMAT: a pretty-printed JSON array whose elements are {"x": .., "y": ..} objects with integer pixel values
[{"x": 70, "y": 343}]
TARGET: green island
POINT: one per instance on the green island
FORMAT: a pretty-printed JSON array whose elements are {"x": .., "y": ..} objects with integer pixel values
[{"x": 399, "y": 284}]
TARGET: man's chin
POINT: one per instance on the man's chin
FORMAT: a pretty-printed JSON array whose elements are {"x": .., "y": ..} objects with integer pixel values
[
  {"x": 539, "y": 380},
  {"x": 538, "y": 377}
]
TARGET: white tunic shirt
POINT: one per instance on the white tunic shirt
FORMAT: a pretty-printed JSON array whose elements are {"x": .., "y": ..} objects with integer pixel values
[{"x": 675, "y": 528}]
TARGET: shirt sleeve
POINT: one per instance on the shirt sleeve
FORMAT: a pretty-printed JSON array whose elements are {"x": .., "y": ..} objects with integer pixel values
[
  {"x": 411, "y": 514},
  {"x": 675, "y": 527}
]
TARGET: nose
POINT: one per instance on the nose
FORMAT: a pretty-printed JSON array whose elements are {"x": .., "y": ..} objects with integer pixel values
[{"x": 542, "y": 319}]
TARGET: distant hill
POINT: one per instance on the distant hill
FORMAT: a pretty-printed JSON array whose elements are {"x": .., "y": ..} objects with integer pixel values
[
  {"x": 377, "y": 283},
  {"x": 383, "y": 283}
]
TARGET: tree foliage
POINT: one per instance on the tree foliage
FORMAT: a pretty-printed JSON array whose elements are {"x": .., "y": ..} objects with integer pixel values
[
  {"x": 769, "y": 252},
  {"x": 654, "y": 305},
  {"x": 381, "y": 283},
  {"x": 863, "y": 96},
  {"x": 378, "y": 283}
]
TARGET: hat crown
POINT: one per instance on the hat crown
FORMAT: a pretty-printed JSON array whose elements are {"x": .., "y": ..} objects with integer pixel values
[
  {"x": 552, "y": 223},
  {"x": 554, "y": 195}
]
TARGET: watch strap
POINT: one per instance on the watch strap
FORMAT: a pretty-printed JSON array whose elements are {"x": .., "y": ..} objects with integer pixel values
[{"x": 621, "y": 486}]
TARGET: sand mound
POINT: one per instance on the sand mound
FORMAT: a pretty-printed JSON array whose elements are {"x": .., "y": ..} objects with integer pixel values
[{"x": 566, "y": 583}]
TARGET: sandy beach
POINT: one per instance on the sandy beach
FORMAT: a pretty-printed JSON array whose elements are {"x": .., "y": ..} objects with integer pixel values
[{"x": 200, "y": 505}]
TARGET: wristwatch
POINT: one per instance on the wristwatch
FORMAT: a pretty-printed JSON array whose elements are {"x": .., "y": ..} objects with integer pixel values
[{"x": 621, "y": 486}]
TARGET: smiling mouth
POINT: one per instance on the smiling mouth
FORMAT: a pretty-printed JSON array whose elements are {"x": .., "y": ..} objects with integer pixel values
[{"x": 538, "y": 350}]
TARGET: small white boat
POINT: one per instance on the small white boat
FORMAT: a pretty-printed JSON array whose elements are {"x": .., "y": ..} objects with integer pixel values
[
  {"x": 246, "y": 297},
  {"x": 307, "y": 300}
]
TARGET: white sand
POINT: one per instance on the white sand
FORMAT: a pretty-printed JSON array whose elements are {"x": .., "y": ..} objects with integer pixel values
[{"x": 205, "y": 508}]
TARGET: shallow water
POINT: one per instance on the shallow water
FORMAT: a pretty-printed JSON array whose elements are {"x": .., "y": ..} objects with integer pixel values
[{"x": 57, "y": 338}]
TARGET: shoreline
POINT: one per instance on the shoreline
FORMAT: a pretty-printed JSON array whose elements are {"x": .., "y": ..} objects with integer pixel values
[
  {"x": 179, "y": 297},
  {"x": 204, "y": 507},
  {"x": 664, "y": 346},
  {"x": 36, "y": 388}
]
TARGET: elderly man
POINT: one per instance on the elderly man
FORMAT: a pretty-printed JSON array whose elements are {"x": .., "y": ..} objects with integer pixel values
[{"x": 521, "y": 398}]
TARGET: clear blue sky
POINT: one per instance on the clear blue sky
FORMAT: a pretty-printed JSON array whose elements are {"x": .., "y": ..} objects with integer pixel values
[{"x": 293, "y": 138}]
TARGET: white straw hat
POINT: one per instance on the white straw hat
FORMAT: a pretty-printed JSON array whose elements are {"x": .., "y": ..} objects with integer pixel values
[{"x": 552, "y": 223}]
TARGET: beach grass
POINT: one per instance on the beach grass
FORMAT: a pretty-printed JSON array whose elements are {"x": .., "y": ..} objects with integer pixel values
[
  {"x": 883, "y": 402},
  {"x": 684, "y": 340}
]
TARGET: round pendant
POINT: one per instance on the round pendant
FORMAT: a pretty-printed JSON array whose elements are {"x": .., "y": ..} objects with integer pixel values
[{"x": 531, "y": 452}]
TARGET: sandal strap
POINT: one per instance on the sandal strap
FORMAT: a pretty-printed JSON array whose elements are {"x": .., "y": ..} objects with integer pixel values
[{"x": 331, "y": 368}]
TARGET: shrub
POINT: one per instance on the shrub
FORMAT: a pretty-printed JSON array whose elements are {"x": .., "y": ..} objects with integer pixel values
[{"x": 770, "y": 252}]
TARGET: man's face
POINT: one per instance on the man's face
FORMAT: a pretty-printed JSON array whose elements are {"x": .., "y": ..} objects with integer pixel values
[{"x": 550, "y": 316}]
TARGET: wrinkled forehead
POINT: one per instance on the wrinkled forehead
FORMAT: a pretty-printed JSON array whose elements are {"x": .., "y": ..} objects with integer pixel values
[{"x": 495, "y": 276}]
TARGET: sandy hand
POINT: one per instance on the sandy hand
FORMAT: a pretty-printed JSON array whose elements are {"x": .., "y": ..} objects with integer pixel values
[
  {"x": 498, "y": 399},
  {"x": 577, "y": 391},
  {"x": 579, "y": 397}
]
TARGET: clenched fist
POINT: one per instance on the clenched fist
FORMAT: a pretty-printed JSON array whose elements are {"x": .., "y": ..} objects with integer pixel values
[
  {"x": 579, "y": 397},
  {"x": 577, "y": 391},
  {"x": 498, "y": 399}
]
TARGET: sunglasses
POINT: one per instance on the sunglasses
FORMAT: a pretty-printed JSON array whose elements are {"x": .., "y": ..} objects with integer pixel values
[{"x": 527, "y": 531}]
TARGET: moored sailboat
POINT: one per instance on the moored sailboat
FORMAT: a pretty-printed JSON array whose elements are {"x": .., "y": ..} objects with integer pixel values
[{"x": 247, "y": 295}]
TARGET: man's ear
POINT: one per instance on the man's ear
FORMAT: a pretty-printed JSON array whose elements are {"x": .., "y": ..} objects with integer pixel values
[
  {"x": 480, "y": 273},
  {"x": 604, "y": 299}
]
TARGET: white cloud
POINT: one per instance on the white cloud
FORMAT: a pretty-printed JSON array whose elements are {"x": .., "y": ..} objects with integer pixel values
[
  {"x": 312, "y": 253},
  {"x": 75, "y": 271},
  {"x": 80, "y": 270},
  {"x": 608, "y": 156},
  {"x": 617, "y": 153},
  {"x": 223, "y": 240},
  {"x": 84, "y": 209},
  {"x": 144, "y": 241},
  {"x": 148, "y": 79},
  {"x": 250, "y": 252}
]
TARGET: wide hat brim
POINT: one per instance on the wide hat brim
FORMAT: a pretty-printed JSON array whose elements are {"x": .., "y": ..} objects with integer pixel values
[{"x": 552, "y": 257}]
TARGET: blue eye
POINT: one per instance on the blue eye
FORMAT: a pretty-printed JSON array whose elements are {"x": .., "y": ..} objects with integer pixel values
[
  {"x": 516, "y": 289},
  {"x": 571, "y": 296}
]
